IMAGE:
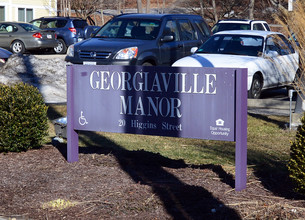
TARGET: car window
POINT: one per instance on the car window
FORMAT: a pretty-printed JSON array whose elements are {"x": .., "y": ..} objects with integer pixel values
[
  {"x": 233, "y": 44},
  {"x": 9, "y": 28},
  {"x": 36, "y": 23},
  {"x": 286, "y": 47},
  {"x": 258, "y": 26},
  {"x": 60, "y": 23},
  {"x": 230, "y": 26},
  {"x": 45, "y": 24},
  {"x": 141, "y": 29},
  {"x": 187, "y": 30},
  {"x": 279, "y": 44},
  {"x": 171, "y": 29},
  {"x": 202, "y": 27},
  {"x": 267, "y": 26},
  {"x": 111, "y": 29},
  {"x": 53, "y": 23},
  {"x": 29, "y": 27},
  {"x": 79, "y": 23},
  {"x": 2, "y": 28}
]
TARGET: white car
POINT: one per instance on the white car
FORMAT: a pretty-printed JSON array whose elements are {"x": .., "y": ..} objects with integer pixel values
[
  {"x": 240, "y": 24},
  {"x": 270, "y": 58}
]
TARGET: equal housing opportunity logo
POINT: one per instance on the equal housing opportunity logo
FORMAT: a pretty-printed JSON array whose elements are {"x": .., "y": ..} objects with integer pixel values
[{"x": 220, "y": 129}]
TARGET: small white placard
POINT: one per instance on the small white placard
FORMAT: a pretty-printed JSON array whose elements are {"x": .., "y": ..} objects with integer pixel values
[{"x": 89, "y": 63}]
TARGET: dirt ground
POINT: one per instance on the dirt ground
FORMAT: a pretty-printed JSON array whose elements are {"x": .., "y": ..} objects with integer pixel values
[{"x": 41, "y": 184}]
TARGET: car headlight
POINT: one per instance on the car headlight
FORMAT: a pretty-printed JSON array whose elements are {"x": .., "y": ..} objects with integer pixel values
[
  {"x": 127, "y": 53},
  {"x": 70, "y": 51}
]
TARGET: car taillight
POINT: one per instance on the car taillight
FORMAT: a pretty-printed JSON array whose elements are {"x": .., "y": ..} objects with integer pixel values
[
  {"x": 37, "y": 35},
  {"x": 55, "y": 36},
  {"x": 73, "y": 30}
]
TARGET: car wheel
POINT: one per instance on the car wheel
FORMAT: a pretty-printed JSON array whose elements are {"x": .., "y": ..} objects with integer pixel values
[
  {"x": 256, "y": 87},
  {"x": 61, "y": 47},
  {"x": 147, "y": 64},
  {"x": 17, "y": 47}
]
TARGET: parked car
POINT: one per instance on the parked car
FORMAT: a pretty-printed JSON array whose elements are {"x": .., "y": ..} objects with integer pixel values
[
  {"x": 4, "y": 55},
  {"x": 240, "y": 24},
  {"x": 270, "y": 58},
  {"x": 19, "y": 37},
  {"x": 141, "y": 39},
  {"x": 69, "y": 30}
]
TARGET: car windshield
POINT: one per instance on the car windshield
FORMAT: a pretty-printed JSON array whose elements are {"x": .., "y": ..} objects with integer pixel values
[
  {"x": 233, "y": 44},
  {"x": 230, "y": 26},
  {"x": 29, "y": 27},
  {"x": 141, "y": 29}
]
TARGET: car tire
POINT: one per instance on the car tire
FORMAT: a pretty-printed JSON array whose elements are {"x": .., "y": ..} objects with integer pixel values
[
  {"x": 256, "y": 87},
  {"x": 147, "y": 64},
  {"x": 18, "y": 47},
  {"x": 61, "y": 47}
]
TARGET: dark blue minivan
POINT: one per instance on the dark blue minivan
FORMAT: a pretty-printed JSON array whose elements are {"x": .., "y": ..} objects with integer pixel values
[{"x": 141, "y": 39}]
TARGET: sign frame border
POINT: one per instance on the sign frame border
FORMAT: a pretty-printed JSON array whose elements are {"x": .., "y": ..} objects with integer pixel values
[{"x": 241, "y": 96}]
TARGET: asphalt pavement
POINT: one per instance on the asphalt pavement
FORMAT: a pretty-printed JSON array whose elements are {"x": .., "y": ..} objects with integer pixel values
[{"x": 273, "y": 102}]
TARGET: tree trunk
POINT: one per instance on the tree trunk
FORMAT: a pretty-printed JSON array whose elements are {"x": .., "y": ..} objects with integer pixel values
[
  {"x": 201, "y": 8},
  {"x": 102, "y": 17},
  {"x": 119, "y": 7},
  {"x": 277, "y": 4},
  {"x": 147, "y": 6},
  {"x": 139, "y": 3},
  {"x": 215, "y": 11},
  {"x": 251, "y": 9},
  {"x": 69, "y": 6}
]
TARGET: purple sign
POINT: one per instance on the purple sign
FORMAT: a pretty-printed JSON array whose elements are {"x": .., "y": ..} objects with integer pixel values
[
  {"x": 178, "y": 102},
  {"x": 165, "y": 101}
]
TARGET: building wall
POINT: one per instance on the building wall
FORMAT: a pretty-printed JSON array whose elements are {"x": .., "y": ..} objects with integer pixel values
[{"x": 15, "y": 10}]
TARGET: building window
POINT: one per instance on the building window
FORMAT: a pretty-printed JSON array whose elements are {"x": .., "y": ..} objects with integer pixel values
[
  {"x": 25, "y": 14},
  {"x": 2, "y": 13}
]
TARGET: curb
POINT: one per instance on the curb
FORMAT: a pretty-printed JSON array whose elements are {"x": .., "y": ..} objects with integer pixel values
[{"x": 270, "y": 104}]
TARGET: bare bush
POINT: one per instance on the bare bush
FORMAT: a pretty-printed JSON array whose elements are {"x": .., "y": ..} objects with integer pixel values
[{"x": 293, "y": 25}]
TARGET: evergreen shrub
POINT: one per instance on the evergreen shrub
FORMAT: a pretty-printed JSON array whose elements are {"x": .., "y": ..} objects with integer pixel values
[
  {"x": 23, "y": 118},
  {"x": 296, "y": 165}
]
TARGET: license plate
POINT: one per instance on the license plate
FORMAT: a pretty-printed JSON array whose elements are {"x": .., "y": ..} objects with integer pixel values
[
  {"x": 89, "y": 63},
  {"x": 49, "y": 36}
]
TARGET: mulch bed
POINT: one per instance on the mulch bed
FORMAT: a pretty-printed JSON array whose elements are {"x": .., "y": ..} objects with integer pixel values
[{"x": 41, "y": 184}]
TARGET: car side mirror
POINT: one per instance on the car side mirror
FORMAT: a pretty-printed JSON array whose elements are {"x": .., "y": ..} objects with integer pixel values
[
  {"x": 167, "y": 38},
  {"x": 194, "y": 49}
]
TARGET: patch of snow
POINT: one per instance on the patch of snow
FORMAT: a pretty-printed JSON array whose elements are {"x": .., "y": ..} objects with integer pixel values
[{"x": 48, "y": 75}]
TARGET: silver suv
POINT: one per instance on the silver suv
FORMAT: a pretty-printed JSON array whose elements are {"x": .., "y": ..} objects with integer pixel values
[{"x": 240, "y": 24}]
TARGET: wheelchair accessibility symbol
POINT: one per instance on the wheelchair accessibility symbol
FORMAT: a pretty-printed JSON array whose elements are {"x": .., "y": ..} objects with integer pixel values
[{"x": 82, "y": 120}]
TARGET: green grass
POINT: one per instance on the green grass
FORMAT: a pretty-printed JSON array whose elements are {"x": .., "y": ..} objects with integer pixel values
[{"x": 268, "y": 143}]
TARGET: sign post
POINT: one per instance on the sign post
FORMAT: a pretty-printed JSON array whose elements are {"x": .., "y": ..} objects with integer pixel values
[
  {"x": 241, "y": 131},
  {"x": 202, "y": 103}
]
